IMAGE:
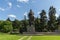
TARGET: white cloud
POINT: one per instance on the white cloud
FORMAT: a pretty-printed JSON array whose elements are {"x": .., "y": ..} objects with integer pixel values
[
  {"x": 39, "y": 12},
  {"x": 33, "y": 1},
  {"x": 12, "y": 16},
  {"x": 25, "y": 13},
  {"x": 9, "y": 4},
  {"x": 23, "y": 1},
  {"x": 59, "y": 9},
  {"x": 2, "y": 9},
  {"x": 18, "y": 6},
  {"x": 57, "y": 15}
]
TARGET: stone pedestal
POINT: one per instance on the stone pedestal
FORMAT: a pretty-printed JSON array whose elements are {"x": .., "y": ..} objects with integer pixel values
[{"x": 31, "y": 29}]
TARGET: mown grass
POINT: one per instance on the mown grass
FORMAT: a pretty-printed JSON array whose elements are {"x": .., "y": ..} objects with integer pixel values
[
  {"x": 46, "y": 38},
  {"x": 4, "y": 36}
]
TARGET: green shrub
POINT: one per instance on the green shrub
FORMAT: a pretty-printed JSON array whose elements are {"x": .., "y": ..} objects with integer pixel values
[{"x": 7, "y": 28}]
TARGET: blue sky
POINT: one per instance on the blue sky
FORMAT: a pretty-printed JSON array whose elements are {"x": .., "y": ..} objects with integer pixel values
[{"x": 17, "y": 8}]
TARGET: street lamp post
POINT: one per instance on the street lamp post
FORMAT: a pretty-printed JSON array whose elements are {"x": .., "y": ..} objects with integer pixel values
[
  {"x": 38, "y": 18},
  {"x": 25, "y": 17},
  {"x": 25, "y": 25}
]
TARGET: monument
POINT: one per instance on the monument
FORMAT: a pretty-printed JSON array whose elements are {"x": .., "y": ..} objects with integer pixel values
[{"x": 30, "y": 27}]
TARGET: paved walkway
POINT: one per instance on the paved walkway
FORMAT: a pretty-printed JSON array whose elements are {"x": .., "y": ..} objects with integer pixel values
[
  {"x": 29, "y": 37},
  {"x": 22, "y": 37}
]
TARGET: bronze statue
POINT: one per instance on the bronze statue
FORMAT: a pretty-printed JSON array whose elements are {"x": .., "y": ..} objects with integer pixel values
[{"x": 31, "y": 17}]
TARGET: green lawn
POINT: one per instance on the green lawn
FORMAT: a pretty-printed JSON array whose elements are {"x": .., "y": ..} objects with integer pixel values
[
  {"x": 4, "y": 36},
  {"x": 45, "y": 38}
]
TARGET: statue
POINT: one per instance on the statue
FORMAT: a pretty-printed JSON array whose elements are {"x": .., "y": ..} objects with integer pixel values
[
  {"x": 31, "y": 18},
  {"x": 30, "y": 27}
]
